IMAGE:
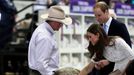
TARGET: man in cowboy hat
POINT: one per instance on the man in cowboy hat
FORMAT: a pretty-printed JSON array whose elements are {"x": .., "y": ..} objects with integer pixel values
[{"x": 43, "y": 55}]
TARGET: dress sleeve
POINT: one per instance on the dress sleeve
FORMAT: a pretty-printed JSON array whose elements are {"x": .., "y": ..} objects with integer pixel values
[{"x": 124, "y": 49}]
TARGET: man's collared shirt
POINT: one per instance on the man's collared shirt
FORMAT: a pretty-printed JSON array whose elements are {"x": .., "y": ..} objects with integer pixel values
[
  {"x": 43, "y": 54},
  {"x": 107, "y": 25}
]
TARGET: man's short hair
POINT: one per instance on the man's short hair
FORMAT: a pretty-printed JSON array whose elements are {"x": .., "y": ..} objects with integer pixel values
[{"x": 102, "y": 5}]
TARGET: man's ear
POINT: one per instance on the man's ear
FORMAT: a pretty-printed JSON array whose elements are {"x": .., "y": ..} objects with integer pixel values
[{"x": 107, "y": 12}]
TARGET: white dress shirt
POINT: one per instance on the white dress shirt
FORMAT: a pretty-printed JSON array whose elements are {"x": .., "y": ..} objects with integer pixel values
[
  {"x": 107, "y": 25},
  {"x": 43, "y": 54}
]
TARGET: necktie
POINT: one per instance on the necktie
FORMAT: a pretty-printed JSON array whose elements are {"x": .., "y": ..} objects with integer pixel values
[{"x": 105, "y": 27}]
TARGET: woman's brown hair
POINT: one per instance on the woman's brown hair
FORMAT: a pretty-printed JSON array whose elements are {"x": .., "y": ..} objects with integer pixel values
[{"x": 103, "y": 41}]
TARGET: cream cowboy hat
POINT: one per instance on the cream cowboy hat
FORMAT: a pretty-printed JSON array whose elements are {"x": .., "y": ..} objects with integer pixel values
[{"x": 55, "y": 13}]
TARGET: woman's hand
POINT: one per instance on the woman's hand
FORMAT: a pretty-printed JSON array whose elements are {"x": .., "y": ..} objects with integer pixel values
[{"x": 102, "y": 63}]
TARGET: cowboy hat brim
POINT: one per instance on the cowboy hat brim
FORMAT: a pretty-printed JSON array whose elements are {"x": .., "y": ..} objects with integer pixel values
[{"x": 66, "y": 21}]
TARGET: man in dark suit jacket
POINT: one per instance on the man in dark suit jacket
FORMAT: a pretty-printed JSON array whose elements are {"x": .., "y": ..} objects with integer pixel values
[
  {"x": 113, "y": 28},
  {"x": 119, "y": 29}
]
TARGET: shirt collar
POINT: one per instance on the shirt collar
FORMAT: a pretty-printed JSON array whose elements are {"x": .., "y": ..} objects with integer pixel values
[
  {"x": 108, "y": 22},
  {"x": 49, "y": 28}
]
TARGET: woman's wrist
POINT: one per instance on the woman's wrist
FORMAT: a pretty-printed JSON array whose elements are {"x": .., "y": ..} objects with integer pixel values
[{"x": 92, "y": 61}]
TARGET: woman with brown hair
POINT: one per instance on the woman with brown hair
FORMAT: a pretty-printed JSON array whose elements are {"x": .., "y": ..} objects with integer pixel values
[{"x": 105, "y": 49}]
